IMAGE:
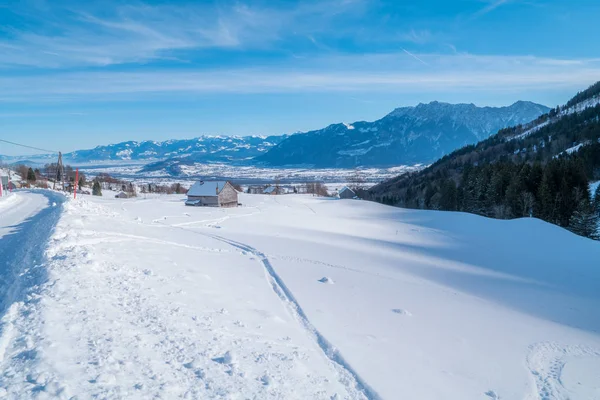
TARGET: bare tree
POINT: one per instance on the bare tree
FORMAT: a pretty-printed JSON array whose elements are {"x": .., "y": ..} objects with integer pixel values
[
  {"x": 22, "y": 171},
  {"x": 316, "y": 189},
  {"x": 526, "y": 201},
  {"x": 356, "y": 182}
]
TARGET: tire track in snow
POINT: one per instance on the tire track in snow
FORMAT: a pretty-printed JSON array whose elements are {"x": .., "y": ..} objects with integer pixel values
[{"x": 348, "y": 377}]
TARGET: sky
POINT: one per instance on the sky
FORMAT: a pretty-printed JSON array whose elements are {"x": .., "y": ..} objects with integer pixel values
[{"x": 76, "y": 74}]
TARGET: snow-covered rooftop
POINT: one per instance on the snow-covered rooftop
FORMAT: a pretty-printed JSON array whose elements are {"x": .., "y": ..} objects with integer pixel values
[{"x": 206, "y": 188}]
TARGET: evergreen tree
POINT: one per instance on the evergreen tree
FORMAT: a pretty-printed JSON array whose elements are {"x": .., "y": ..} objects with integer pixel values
[
  {"x": 596, "y": 203},
  {"x": 30, "y": 175},
  {"x": 584, "y": 222},
  {"x": 96, "y": 189},
  {"x": 448, "y": 196},
  {"x": 81, "y": 182}
]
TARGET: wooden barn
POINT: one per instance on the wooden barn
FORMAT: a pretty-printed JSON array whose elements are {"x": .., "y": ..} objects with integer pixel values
[
  {"x": 346, "y": 193},
  {"x": 212, "y": 194}
]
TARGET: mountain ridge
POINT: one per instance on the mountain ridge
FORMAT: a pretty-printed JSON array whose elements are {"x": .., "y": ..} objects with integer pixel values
[
  {"x": 541, "y": 169},
  {"x": 407, "y": 135}
]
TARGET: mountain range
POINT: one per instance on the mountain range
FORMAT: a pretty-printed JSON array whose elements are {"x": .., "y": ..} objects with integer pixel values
[
  {"x": 545, "y": 169},
  {"x": 406, "y": 136},
  {"x": 227, "y": 149}
]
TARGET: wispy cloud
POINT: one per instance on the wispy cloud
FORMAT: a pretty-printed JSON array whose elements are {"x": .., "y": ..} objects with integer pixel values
[
  {"x": 140, "y": 33},
  {"x": 491, "y": 6},
  {"x": 416, "y": 36},
  {"x": 369, "y": 74},
  {"x": 414, "y": 56}
]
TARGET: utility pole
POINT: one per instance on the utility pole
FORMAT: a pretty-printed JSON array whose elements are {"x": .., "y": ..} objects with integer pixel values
[{"x": 59, "y": 173}]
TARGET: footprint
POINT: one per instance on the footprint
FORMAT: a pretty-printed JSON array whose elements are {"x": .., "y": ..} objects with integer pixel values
[{"x": 402, "y": 312}]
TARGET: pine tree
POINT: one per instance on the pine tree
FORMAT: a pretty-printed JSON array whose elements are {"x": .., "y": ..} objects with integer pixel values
[
  {"x": 448, "y": 195},
  {"x": 584, "y": 222},
  {"x": 96, "y": 189},
  {"x": 30, "y": 175},
  {"x": 597, "y": 200}
]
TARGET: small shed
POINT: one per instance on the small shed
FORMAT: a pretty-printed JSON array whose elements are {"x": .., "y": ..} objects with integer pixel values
[
  {"x": 121, "y": 195},
  {"x": 346, "y": 193},
  {"x": 212, "y": 194},
  {"x": 12, "y": 185}
]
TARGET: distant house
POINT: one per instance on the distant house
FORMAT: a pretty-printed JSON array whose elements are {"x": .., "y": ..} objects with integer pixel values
[
  {"x": 346, "y": 193},
  {"x": 12, "y": 185},
  {"x": 256, "y": 189},
  {"x": 121, "y": 195},
  {"x": 212, "y": 194},
  {"x": 273, "y": 190}
]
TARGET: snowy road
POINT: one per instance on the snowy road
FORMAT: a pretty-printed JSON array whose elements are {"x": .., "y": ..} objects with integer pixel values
[{"x": 26, "y": 223}]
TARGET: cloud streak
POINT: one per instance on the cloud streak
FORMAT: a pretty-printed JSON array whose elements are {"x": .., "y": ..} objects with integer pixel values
[
  {"x": 493, "y": 4},
  {"x": 415, "y": 57},
  {"x": 66, "y": 38},
  {"x": 338, "y": 74}
]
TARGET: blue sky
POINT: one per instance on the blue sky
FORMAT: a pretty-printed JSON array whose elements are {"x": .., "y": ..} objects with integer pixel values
[{"x": 75, "y": 74}]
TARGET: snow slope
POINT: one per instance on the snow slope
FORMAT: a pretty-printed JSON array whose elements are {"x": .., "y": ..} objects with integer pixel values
[{"x": 301, "y": 297}]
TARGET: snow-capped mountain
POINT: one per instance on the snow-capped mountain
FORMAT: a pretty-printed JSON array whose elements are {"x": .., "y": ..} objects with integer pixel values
[
  {"x": 204, "y": 148},
  {"x": 407, "y": 135}
]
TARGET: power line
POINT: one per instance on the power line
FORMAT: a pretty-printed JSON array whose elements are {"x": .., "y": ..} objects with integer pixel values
[{"x": 28, "y": 147}]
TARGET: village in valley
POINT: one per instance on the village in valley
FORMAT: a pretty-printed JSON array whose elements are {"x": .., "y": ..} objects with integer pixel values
[{"x": 210, "y": 192}]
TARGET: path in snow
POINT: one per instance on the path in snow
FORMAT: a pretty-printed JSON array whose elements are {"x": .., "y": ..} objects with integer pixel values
[
  {"x": 25, "y": 227},
  {"x": 347, "y": 374},
  {"x": 142, "y": 311}
]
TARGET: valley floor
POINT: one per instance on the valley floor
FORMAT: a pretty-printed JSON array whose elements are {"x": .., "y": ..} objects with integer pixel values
[{"x": 292, "y": 297}]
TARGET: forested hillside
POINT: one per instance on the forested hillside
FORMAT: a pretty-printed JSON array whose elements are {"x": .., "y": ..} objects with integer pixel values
[{"x": 542, "y": 169}]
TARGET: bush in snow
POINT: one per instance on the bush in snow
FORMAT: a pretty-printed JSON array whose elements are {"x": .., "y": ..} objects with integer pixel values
[{"x": 96, "y": 190}]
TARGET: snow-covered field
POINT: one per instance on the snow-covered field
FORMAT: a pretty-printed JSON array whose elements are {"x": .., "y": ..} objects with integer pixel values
[
  {"x": 300, "y": 297},
  {"x": 248, "y": 174}
]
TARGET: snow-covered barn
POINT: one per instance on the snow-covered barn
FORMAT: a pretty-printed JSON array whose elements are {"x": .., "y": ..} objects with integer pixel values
[
  {"x": 346, "y": 193},
  {"x": 212, "y": 194}
]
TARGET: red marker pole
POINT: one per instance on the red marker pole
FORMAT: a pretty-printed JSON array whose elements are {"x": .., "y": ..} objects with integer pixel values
[{"x": 76, "y": 183}]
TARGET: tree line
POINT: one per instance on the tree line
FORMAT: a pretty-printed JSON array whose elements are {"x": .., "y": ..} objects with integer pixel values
[{"x": 542, "y": 172}]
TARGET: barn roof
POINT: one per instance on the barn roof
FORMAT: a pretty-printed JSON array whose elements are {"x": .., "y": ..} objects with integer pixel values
[{"x": 206, "y": 188}]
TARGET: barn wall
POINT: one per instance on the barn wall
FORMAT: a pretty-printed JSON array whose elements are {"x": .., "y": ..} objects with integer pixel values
[
  {"x": 206, "y": 200},
  {"x": 346, "y": 194},
  {"x": 228, "y": 196}
]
